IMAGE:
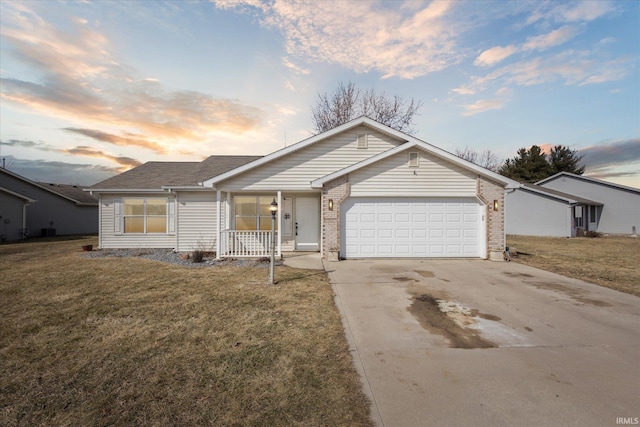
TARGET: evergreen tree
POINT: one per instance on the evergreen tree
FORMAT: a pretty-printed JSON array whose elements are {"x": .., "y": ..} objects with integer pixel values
[
  {"x": 564, "y": 159},
  {"x": 530, "y": 165}
]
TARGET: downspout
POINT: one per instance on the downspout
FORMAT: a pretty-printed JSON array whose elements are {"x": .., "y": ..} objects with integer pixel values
[{"x": 218, "y": 195}]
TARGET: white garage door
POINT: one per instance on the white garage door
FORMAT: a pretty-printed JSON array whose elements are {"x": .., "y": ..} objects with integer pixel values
[{"x": 411, "y": 227}]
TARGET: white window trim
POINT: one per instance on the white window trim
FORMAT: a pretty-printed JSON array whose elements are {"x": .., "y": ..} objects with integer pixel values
[
  {"x": 414, "y": 163},
  {"x": 169, "y": 216}
]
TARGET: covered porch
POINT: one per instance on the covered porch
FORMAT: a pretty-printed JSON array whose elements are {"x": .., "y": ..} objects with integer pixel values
[{"x": 244, "y": 223}]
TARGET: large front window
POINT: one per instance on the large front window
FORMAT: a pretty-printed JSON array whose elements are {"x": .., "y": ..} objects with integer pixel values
[
  {"x": 252, "y": 212},
  {"x": 145, "y": 215}
]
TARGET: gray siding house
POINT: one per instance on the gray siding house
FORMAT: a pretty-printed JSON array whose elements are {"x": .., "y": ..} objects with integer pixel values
[
  {"x": 13, "y": 215},
  {"x": 362, "y": 190},
  {"x": 619, "y": 212},
  {"x": 563, "y": 203},
  {"x": 65, "y": 208},
  {"x": 532, "y": 210}
]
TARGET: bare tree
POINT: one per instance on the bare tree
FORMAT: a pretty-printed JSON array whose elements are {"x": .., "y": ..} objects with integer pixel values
[
  {"x": 348, "y": 102},
  {"x": 486, "y": 158}
]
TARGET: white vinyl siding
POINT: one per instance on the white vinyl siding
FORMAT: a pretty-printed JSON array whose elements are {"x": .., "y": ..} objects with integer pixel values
[
  {"x": 393, "y": 177},
  {"x": 196, "y": 221},
  {"x": 109, "y": 238},
  {"x": 295, "y": 171}
]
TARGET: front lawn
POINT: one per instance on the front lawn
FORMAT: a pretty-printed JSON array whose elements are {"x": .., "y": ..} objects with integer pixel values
[
  {"x": 610, "y": 261},
  {"x": 131, "y": 341}
]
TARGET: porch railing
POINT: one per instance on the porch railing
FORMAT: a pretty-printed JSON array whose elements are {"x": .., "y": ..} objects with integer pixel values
[{"x": 234, "y": 243}]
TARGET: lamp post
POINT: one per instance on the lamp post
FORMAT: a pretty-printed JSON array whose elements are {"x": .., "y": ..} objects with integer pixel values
[{"x": 273, "y": 207}]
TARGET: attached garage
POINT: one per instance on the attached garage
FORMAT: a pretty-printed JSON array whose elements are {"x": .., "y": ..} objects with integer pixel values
[{"x": 412, "y": 227}]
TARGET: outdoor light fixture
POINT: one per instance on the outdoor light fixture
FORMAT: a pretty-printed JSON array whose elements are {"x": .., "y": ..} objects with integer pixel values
[
  {"x": 495, "y": 205},
  {"x": 330, "y": 204},
  {"x": 273, "y": 207}
]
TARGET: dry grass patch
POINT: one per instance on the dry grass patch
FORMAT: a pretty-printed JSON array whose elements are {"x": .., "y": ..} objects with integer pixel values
[
  {"x": 129, "y": 341},
  {"x": 610, "y": 261}
]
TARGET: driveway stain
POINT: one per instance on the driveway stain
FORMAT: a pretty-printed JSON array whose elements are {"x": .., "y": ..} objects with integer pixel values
[
  {"x": 512, "y": 274},
  {"x": 404, "y": 279},
  {"x": 573, "y": 293},
  {"x": 438, "y": 317},
  {"x": 425, "y": 274}
]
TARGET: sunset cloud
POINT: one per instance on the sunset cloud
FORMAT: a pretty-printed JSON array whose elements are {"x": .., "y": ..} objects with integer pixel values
[
  {"x": 495, "y": 55},
  {"x": 502, "y": 96},
  {"x": 79, "y": 80},
  {"x": 63, "y": 172},
  {"x": 129, "y": 140},
  {"x": 125, "y": 163},
  {"x": 404, "y": 42}
]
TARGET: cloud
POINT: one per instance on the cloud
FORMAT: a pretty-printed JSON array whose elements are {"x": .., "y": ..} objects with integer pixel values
[
  {"x": 612, "y": 153},
  {"x": 75, "y": 77},
  {"x": 495, "y": 55},
  {"x": 554, "y": 38},
  {"x": 584, "y": 11},
  {"x": 406, "y": 41},
  {"x": 130, "y": 140},
  {"x": 125, "y": 163},
  {"x": 503, "y": 95},
  {"x": 60, "y": 172}
]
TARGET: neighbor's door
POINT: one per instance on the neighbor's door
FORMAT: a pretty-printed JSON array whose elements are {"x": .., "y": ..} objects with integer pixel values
[{"x": 307, "y": 226}]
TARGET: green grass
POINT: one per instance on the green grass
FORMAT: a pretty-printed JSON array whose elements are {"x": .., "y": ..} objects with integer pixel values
[{"x": 129, "y": 341}]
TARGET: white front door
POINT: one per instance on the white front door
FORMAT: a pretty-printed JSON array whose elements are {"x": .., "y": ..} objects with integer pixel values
[{"x": 307, "y": 226}]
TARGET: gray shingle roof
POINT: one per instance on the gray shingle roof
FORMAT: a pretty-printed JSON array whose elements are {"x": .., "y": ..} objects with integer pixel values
[
  {"x": 71, "y": 191},
  {"x": 154, "y": 175},
  {"x": 567, "y": 196}
]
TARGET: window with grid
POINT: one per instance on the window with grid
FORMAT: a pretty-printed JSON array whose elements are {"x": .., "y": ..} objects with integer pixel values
[
  {"x": 145, "y": 215},
  {"x": 253, "y": 213}
]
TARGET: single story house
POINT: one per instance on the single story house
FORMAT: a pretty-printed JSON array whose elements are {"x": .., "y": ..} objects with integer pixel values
[
  {"x": 619, "y": 209},
  {"x": 533, "y": 210},
  {"x": 13, "y": 215},
  {"x": 362, "y": 188},
  {"x": 67, "y": 209}
]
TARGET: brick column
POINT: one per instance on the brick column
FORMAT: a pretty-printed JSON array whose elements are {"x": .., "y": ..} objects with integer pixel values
[
  {"x": 337, "y": 190},
  {"x": 489, "y": 191}
]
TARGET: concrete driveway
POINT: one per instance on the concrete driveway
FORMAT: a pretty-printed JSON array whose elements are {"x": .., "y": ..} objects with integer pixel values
[{"x": 533, "y": 348}]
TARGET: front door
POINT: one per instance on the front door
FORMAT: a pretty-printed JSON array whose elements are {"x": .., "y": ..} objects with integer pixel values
[{"x": 307, "y": 223}]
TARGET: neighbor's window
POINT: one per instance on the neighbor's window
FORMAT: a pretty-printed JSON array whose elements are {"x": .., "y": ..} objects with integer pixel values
[
  {"x": 145, "y": 215},
  {"x": 252, "y": 212}
]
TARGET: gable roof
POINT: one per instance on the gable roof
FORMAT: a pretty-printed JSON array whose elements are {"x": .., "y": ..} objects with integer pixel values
[
  {"x": 156, "y": 175},
  {"x": 416, "y": 143},
  {"x": 590, "y": 180},
  {"x": 211, "y": 181},
  {"x": 558, "y": 195},
  {"x": 72, "y": 193},
  {"x": 18, "y": 195}
]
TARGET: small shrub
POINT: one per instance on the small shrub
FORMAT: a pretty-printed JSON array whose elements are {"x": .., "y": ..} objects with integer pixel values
[
  {"x": 198, "y": 256},
  {"x": 592, "y": 234}
]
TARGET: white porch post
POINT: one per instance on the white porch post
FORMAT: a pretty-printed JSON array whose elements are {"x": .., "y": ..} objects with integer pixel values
[
  {"x": 279, "y": 224},
  {"x": 218, "y": 213}
]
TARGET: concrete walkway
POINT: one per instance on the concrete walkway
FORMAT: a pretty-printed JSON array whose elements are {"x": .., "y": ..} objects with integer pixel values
[
  {"x": 564, "y": 352},
  {"x": 306, "y": 260}
]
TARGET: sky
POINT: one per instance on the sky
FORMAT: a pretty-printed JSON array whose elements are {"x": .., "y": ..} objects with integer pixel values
[{"x": 89, "y": 89}]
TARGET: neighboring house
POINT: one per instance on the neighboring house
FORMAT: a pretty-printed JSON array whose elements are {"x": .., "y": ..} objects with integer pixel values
[
  {"x": 13, "y": 215},
  {"x": 362, "y": 188},
  {"x": 620, "y": 209},
  {"x": 63, "y": 208},
  {"x": 537, "y": 211},
  {"x": 565, "y": 202}
]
